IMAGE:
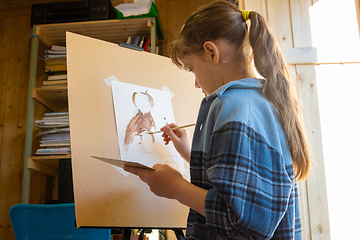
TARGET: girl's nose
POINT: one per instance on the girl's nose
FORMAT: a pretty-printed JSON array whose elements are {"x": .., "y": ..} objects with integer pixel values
[{"x": 196, "y": 84}]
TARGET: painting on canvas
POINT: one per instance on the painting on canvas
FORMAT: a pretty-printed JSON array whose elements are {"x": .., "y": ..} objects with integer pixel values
[{"x": 138, "y": 111}]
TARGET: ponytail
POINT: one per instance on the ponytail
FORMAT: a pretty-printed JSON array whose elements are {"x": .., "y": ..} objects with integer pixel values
[{"x": 270, "y": 63}]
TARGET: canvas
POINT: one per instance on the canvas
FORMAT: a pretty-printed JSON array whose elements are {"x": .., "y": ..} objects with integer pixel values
[{"x": 140, "y": 110}]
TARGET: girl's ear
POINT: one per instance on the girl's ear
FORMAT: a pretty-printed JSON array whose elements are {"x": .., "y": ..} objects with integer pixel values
[{"x": 212, "y": 52}]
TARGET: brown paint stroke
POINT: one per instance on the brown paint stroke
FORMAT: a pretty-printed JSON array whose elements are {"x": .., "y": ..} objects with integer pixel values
[{"x": 141, "y": 123}]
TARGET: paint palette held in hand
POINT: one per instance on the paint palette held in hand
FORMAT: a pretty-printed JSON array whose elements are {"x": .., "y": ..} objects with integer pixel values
[{"x": 121, "y": 163}]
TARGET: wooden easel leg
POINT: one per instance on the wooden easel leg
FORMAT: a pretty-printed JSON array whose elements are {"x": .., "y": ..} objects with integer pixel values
[
  {"x": 126, "y": 234},
  {"x": 142, "y": 234},
  {"x": 179, "y": 234}
]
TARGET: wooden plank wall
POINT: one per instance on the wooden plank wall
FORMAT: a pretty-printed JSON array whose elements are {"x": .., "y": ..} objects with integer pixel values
[
  {"x": 14, "y": 73},
  {"x": 173, "y": 15}
]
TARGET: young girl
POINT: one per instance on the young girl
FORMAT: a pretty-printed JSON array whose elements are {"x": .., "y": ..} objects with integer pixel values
[{"x": 249, "y": 146}]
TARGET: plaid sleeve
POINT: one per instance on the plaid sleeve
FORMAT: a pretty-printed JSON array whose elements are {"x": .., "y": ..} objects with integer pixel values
[{"x": 252, "y": 186}]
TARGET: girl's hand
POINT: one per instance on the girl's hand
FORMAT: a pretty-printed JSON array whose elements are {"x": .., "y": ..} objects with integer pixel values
[
  {"x": 167, "y": 182},
  {"x": 180, "y": 139},
  {"x": 163, "y": 182}
]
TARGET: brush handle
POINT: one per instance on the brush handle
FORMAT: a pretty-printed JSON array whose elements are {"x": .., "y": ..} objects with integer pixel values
[{"x": 184, "y": 126}]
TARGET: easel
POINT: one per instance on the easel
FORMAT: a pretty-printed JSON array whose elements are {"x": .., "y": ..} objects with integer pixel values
[
  {"x": 104, "y": 197},
  {"x": 126, "y": 234}
]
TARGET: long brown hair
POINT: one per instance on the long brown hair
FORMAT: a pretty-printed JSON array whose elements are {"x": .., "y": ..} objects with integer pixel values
[{"x": 223, "y": 20}]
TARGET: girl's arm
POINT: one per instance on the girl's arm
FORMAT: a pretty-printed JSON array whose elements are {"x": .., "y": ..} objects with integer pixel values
[{"x": 167, "y": 182}]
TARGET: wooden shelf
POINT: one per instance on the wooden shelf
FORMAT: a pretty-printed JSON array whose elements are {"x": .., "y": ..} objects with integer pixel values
[
  {"x": 46, "y": 164},
  {"x": 117, "y": 30},
  {"x": 55, "y": 98}
]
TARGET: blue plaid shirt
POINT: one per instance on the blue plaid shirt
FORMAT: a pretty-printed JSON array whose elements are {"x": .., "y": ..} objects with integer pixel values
[{"x": 239, "y": 154}]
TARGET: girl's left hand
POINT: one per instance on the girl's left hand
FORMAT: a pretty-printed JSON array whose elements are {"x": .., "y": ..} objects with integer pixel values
[{"x": 163, "y": 182}]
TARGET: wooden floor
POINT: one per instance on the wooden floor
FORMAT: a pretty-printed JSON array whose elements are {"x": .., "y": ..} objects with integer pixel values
[{"x": 15, "y": 33}]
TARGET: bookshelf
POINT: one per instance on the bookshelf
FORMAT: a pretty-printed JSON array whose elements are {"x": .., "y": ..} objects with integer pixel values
[{"x": 55, "y": 98}]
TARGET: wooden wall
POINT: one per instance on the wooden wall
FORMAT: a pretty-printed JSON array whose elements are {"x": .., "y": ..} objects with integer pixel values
[
  {"x": 173, "y": 15},
  {"x": 14, "y": 73}
]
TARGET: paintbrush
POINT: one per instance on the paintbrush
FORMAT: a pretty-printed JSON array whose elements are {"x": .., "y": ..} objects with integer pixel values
[{"x": 184, "y": 126}]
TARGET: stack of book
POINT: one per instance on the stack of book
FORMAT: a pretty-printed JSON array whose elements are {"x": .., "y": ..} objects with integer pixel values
[
  {"x": 55, "y": 67},
  {"x": 57, "y": 80},
  {"x": 55, "y": 137},
  {"x": 141, "y": 44}
]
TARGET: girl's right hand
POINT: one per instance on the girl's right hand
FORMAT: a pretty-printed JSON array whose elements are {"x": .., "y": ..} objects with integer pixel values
[{"x": 180, "y": 139}]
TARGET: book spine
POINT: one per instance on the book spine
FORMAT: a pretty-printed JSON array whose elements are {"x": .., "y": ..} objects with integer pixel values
[
  {"x": 142, "y": 41},
  {"x": 130, "y": 46},
  {"x": 136, "y": 41},
  {"x": 147, "y": 43}
]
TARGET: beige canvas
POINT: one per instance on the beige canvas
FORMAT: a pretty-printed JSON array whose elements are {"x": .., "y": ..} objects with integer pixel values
[{"x": 103, "y": 196}]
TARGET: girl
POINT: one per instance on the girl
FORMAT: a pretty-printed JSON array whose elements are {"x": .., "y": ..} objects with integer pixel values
[{"x": 249, "y": 146}]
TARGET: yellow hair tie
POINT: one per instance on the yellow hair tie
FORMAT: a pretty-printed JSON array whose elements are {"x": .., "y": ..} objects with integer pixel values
[{"x": 245, "y": 15}]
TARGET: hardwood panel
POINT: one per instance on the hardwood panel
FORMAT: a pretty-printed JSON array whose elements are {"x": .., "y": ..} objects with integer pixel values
[
  {"x": 173, "y": 15},
  {"x": 14, "y": 76},
  {"x": 259, "y": 6},
  {"x": 241, "y": 4},
  {"x": 280, "y": 22},
  {"x": 20, "y": 99},
  {"x": 170, "y": 23},
  {"x": 5, "y": 40},
  {"x": 317, "y": 225},
  {"x": 299, "y": 15},
  {"x": 316, "y": 188},
  {"x": 14, "y": 116}
]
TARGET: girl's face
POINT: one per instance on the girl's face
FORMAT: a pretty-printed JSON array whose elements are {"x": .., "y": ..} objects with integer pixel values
[{"x": 205, "y": 75}]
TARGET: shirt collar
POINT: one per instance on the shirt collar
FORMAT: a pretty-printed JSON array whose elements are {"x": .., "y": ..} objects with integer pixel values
[{"x": 244, "y": 83}]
